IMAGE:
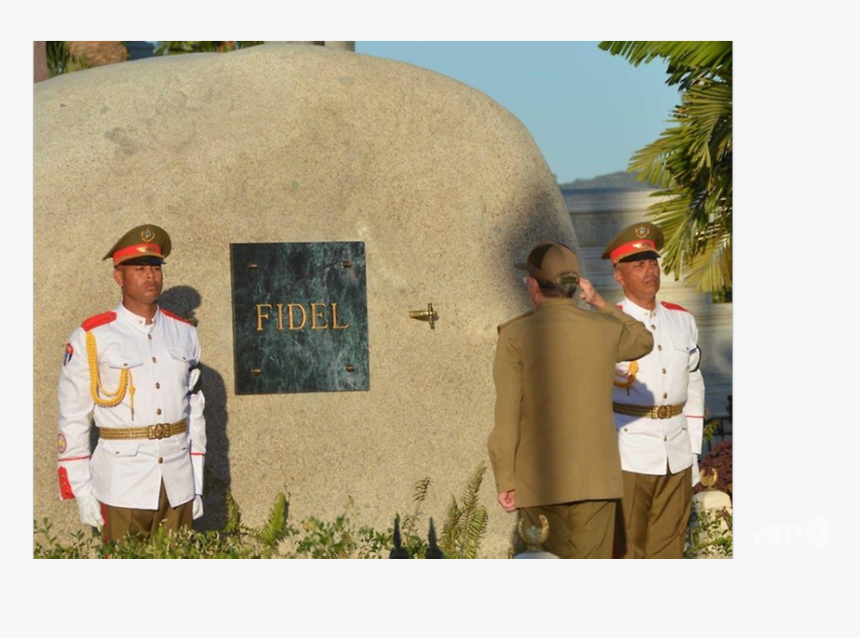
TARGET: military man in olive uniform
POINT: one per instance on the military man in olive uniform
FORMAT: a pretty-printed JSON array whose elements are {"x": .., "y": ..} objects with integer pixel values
[
  {"x": 133, "y": 371},
  {"x": 553, "y": 447},
  {"x": 658, "y": 402}
]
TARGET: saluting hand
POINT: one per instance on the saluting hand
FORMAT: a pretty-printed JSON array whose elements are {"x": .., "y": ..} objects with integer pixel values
[
  {"x": 589, "y": 295},
  {"x": 507, "y": 501}
]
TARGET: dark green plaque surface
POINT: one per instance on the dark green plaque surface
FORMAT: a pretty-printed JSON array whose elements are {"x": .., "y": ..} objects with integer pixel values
[{"x": 299, "y": 317}]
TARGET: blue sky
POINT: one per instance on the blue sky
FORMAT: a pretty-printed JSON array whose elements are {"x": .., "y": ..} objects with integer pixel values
[{"x": 587, "y": 110}]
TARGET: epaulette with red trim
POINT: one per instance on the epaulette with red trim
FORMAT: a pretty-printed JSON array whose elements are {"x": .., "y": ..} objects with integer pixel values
[
  {"x": 674, "y": 306},
  {"x": 98, "y": 320},
  {"x": 167, "y": 313}
]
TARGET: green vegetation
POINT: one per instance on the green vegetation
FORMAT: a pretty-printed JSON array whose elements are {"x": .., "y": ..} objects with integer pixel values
[
  {"x": 278, "y": 538},
  {"x": 466, "y": 524},
  {"x": 692, "y": 161},
  {"x": 174, "y": 47},
  {"x": 60, "y": 59},
  {"x": 709, "y": 535}
]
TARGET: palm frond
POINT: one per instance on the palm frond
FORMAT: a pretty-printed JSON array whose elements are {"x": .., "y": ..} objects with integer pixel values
[
  {"x": 692, "y": 160},
  {"x": 683, "y": 57}
]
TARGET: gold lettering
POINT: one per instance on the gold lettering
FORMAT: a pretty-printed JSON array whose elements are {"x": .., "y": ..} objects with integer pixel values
[
  {"x": 290, "y": 307},
  {"x": 315, "y": 314},
  {"x": 280, "y": 307},
  {"x": 261, "y": 316},
  {"x": 334, "y": 325}
]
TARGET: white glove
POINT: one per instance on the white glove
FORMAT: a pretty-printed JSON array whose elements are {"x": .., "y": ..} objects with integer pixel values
[
  {"x": 90, "y": 510},
  {"x": 696, "y": 476},
  {"x": 197, "y": 508}
]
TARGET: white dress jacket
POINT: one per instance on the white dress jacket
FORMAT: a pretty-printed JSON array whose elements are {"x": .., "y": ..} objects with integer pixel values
[
  {"x": 669, "y": 376},
  {"x": 158, "y": 359}
]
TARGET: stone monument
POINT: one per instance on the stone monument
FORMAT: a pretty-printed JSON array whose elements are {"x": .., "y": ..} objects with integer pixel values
[{"x": 281, "y": 144}]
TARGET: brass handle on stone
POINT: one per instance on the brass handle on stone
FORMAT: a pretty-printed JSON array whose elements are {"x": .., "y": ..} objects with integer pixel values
[{"x": 425, "y": 315}]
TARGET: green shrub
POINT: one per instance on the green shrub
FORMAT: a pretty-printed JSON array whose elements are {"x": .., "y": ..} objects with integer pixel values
[
  {"x": 709, "y": 535},
  {"x": 278, "y": 538}
]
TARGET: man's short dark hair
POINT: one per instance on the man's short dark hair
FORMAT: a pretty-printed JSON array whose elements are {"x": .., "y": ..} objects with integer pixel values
[{"x": 564, "y": 290}]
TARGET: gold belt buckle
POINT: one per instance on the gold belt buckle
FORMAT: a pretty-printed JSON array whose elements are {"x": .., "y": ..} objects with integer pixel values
[
  {"x": 158, "y": 431},
  {"x": 663, "y": 412}
]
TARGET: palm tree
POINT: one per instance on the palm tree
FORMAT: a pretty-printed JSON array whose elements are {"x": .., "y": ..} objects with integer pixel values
[{"x": 692, "y": 161}]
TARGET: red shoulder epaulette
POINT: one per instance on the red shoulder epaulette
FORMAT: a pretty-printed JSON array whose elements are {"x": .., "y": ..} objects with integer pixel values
[
  {"x": 98, "y": 320},
  {"x": 674, "y": 306},
  {"x": 167, "y": 313}
]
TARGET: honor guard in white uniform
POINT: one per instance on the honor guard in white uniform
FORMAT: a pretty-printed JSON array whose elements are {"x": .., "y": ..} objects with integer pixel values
[
  {"x": 133, "y": 372},
  {"x": 658, "y": 403}
]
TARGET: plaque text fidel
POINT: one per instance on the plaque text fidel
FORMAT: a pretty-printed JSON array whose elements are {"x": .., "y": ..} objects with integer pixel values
[{"x": 299, "y": 317}]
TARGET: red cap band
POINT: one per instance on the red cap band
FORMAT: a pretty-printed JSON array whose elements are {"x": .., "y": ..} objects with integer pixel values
[
  {"x": 631, "y": 247},
  {"x": 138, "y": 250}
]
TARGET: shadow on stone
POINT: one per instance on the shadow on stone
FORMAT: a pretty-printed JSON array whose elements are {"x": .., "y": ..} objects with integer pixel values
[{"x": 183, "y": 300}]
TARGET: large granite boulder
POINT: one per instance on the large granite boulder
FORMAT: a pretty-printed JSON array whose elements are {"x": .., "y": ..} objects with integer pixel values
[{"x": 294, "y": 143}]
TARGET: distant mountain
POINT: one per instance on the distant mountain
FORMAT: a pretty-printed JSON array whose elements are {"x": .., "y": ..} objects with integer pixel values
[{"x": 621, "y": 179}]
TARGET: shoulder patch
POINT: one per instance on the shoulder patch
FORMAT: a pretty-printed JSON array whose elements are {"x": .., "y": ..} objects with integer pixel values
[
  {"x": 674, "y": 306},
  {"x": 514, "y": 320},
  {"x": 98, "y": 320},
  {"x": 167, "y": 313}
]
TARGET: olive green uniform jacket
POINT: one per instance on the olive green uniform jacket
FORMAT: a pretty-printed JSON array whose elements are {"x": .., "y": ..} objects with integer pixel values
[{"x": 554, "y": 439}]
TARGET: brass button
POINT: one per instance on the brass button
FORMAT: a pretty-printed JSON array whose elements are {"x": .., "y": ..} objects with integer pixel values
[
  {"x": 160, "y": 460},
  {"x": 149, "y": 337},
  {"x": 157, "y": 386},
  {"x": 153, "y": 359},
  {"x": 158, "y": 411},
  {"x": 664, "y": 370},
  {"x": 665, "y": 395},
  {"x": 659, "y": 347},
  {"x": 653, "y": 327},
  {"x": 664, "y": 438}
]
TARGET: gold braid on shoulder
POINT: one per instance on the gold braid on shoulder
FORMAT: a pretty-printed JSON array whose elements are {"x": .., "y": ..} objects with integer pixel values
[
  {"x": 96, "y": 388},
  {"x": 632, "y": 369}
]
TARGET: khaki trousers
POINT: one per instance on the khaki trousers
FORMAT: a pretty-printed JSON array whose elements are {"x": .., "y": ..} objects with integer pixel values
[
  {"x": 582, "y": 529},
  {"x": 654, "y": 514},
  {"x": 120, "y": 521}
]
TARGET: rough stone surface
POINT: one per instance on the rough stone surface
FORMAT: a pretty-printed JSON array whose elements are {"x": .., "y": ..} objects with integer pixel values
[{"x": 284, "y": 143}]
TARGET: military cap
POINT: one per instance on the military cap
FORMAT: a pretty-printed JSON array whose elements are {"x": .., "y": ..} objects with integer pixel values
[
  {"x": 639, "y": 241},
  {"x": 147, "y": 244},
  {"x": 552, "y": 262}
]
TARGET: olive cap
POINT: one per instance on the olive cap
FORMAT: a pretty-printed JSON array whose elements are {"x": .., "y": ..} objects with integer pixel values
[
  {"x": 639, "y": 241},
  {"x": 147, "y": 244},
  {"x": 552, "y": 262}
]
